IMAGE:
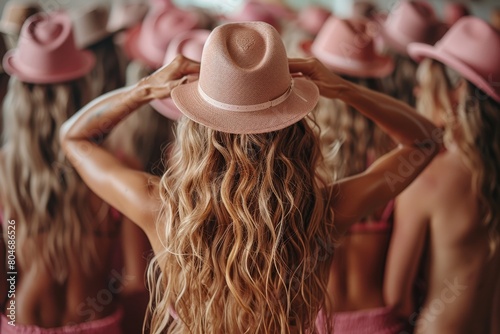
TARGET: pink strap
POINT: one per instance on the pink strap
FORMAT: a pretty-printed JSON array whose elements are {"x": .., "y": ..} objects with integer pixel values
[{"x": 250, "y": 107}]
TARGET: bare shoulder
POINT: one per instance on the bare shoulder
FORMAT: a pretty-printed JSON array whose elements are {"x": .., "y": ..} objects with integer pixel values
[{"x": 444, "y": 180}]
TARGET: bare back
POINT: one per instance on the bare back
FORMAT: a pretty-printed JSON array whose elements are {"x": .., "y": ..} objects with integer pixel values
[
  {"x": 44, "y": 302},
  {"x": 462, "y": 276},
  {"x": 357, "y": 273}
]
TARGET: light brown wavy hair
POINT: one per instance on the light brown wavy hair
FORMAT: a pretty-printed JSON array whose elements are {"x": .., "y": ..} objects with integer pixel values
[
  {"x": 247, "y": 231},
  {"x": 40, "y": 189},
  {"x": 349, "y": 140},
  {"x": 108, "y": 74},
  {"x": 476, "y": 116},
  {"x": 403, "y": 79}
]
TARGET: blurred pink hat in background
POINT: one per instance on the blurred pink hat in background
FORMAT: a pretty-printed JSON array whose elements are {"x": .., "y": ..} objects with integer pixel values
[
  {"x": 148, "y": 41},
  {"x": 472, "y": 48},
  {"x": 411, "y": 22},
  {"x": 254, "y": 11},
  {"x": 189, "y": 44},
  {"x": 347, "y": 47},
  {"x": 46, "y": 52},
  {"x": 312, "y": 18},
  {"x": 454, "y": 11}
]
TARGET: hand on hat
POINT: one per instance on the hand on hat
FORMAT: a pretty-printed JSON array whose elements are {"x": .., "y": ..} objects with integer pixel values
[
  {"x": 330, "y": 85},
  {"x": 180, "y": 71}
]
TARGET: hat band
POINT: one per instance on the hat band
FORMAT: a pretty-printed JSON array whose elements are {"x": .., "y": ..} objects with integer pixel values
[{"x": 249, "y": 107}]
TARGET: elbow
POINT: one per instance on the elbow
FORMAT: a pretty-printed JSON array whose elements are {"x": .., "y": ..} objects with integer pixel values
[{"x": 401, "y": 306}]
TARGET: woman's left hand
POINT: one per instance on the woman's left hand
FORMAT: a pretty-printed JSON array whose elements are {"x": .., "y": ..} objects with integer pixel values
[{"x": 159, "y": 84}]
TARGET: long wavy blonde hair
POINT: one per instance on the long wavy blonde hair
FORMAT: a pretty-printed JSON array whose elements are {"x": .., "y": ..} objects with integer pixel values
[
  {"x": 476, "y": 119},
  {"x": 349, "y": 140},
  {"x": 40, "y": 189},
  {"x": 247, "y": 231}
]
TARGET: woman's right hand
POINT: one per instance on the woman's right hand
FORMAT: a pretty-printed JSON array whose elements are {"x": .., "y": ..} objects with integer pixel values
[
  {"x": 330, "y": 85},
  {"x": 159, "y": 84}
]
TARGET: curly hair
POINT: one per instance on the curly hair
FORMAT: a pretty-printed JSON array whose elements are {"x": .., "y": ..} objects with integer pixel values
[
  {"x": 107, "y": 75},
  {"x": 40, "y": 189},
  {"x": 349, "y": 140},
  {"x": 247, "y": 230},
  {"x": 476, "y": 116}
]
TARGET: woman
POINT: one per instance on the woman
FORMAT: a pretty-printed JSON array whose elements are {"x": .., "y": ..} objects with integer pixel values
[
  {"x": 453, "y": 205},
  {"x": 64, "y": 233},
  {"x": 350, "y": 143},
  {"x": 241, "y": 222}
]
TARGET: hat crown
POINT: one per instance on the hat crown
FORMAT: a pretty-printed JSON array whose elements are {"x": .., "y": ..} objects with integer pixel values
[
  {"x": 350, "y": 39},
  {"x": 47, "y": 31},
  {"x": 244, "y": 64},
  {"x": 46, "y": 51},
  {"x": 190, "y": 44},
  {"x": 475, "y": 43},
  {"x": 312, "y": 18},
  {"x": 159, "y": 27},
  {"x": 413, "y": 21}
]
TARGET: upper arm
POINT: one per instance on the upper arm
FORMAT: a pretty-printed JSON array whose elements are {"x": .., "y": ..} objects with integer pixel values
[
  {"x": 411, "y": 223},
  {"x": 132, "y": 192},
  {"x": 358, "y": 196}
]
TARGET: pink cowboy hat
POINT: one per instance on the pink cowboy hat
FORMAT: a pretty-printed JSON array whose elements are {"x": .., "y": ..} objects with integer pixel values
[
  {"x": 148, "y": 41},
  {"x": 472, "y": 48},
  {"x": 190, "y": 44},
  {"x": 312, "y": 18},
  {"x": 46, "y": 52},
  {"x": 347, "y": 47},
  {"x": 245, "y": 85},
  {"x": 254, "y": 11},
  {"x": 411, "y": 22}
]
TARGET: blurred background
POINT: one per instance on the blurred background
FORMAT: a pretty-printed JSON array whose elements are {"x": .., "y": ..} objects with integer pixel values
[{"x": 479, "y": 8}]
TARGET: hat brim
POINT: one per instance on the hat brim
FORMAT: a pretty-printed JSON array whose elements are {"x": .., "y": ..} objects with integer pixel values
[
  {"x": 419, "y": 51},
  {"x": 378, "y": 67},
  {"x": 10, "y": 66},
  {"x": 133, "y": 51},
  {"x": 301, "y": 101},
  {"x": 167, "y": 108}
]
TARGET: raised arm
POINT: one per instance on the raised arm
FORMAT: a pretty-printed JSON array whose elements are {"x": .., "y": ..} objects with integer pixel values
[
  {"x": 132, "y": 192},
  {"x": 419, "y": 141}
]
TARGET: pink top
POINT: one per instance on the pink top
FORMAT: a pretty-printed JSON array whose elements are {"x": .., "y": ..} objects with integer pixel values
[{"x": 383, "y": 224}]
